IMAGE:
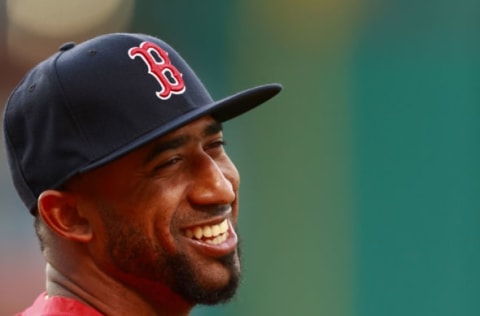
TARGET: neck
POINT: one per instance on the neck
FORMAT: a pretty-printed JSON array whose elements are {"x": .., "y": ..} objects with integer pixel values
[{"x": 110, "y": 297}]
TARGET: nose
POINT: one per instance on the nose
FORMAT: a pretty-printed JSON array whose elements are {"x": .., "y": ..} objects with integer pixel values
[{"x": 212, "y": 182}]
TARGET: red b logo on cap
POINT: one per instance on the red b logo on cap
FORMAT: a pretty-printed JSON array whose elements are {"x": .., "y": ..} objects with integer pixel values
[{"x": 160, "y": 67}]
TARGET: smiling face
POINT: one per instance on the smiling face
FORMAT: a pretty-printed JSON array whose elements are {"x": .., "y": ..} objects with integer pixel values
[{"x": 164, "y": 216}]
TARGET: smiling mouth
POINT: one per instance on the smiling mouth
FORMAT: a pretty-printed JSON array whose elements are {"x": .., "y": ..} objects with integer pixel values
[{"x": 211, "y": 234}]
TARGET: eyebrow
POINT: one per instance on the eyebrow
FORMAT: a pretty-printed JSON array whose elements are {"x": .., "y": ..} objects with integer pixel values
[
  {"x": 212, "y": 129},
  {"x": 177, "y": 142}
]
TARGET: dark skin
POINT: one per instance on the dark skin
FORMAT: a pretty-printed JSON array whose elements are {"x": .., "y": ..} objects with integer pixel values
[{"x": 118, "y": 236}]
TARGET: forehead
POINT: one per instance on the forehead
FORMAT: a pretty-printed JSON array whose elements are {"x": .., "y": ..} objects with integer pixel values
[
  {"x": 195, "y": 130},
  {"x": 198, "y": 129},
  {"x": 201, "y": 127}
]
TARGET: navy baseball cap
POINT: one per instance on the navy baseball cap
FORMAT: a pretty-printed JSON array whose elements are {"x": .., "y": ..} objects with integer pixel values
[{"x": 91, "y": 103}]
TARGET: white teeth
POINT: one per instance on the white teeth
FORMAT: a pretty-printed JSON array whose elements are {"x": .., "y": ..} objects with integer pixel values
[
  {"x": 215, "y": 230},
  {"x": 217, "y": 240},
  {"x": 215, "y": 233},
  {"x": 198, "y": 232},
  {"x": 223, "y": 226},
  {"x": 207, "y": 231}
]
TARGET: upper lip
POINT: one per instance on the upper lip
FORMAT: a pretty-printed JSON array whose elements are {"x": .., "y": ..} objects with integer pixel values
[{"x": 211, "y": 221}]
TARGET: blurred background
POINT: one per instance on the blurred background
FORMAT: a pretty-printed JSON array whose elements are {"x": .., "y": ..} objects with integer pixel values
[{"x": 360, "y": 182}]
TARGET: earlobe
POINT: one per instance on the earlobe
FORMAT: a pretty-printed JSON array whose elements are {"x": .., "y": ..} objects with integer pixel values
[{"x": 60, "y": 212}]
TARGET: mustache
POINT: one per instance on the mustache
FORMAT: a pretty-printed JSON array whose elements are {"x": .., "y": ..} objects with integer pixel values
[{"x": 218, "y": 209}]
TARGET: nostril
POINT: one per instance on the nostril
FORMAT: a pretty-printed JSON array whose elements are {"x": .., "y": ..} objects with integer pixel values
[{"x": 211, "y": 182}]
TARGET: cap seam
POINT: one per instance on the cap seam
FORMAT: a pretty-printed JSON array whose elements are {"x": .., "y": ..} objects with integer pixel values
[
  {"x": 16, "y": 161},
  {"x": 8, "y": 138},
  {"x": 67, "y": 105}
]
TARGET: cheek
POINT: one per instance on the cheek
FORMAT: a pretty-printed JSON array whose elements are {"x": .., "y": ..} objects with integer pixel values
[
  {"x": 144, "y": 212},
  {"x": 164, "y": 212},
  {"x": 230, "y": 172}
]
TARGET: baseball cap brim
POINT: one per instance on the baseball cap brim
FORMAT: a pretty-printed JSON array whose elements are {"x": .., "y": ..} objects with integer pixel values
[{"x": 221, "y": 110}]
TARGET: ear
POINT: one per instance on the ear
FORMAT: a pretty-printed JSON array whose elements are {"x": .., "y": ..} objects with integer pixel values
[{"x": 60, "y": 212}]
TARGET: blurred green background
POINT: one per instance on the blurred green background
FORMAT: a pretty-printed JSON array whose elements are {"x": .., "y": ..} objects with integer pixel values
[{"x": 360, "y": 182}]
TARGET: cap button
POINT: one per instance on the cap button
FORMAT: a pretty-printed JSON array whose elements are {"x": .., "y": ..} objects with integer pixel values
[{"x": 66, "y": 46}]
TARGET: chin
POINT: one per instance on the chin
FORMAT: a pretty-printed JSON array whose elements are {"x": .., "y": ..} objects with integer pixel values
[{"x": 218, "y": 284}]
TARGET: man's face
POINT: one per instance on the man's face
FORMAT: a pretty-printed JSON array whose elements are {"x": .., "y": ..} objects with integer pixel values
[{"x": 166, "y": 215}]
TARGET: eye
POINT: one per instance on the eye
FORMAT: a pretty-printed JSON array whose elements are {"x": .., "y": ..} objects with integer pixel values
[
  {"x": 167, "y": 164},
  {"x": 216, "y": 144},
  {"x": 215, "y": 147}
]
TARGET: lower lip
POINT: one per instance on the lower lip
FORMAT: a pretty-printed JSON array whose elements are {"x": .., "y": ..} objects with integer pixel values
[{"x": 218, "y": 250}]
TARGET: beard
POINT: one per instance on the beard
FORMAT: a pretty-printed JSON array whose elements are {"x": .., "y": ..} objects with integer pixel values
[
  {"x": 182, "y": 274},
  {"x": 133, "y": 253}
]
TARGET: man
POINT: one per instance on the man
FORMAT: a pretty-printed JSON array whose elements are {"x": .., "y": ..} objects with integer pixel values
[{"x": 116, "y": 148}]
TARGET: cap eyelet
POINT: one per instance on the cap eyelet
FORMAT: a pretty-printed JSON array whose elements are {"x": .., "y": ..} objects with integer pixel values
[{"x": 67, "y": 46}]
